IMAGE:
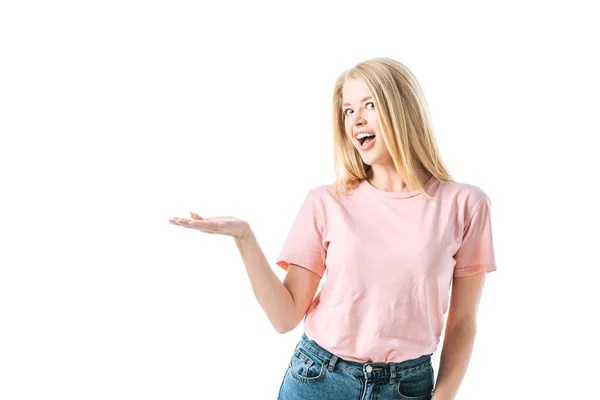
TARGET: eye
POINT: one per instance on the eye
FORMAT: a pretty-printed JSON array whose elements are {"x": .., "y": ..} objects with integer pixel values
[
  {"x": 346, "y": 111},
  {"x": 371, "y": 103}
]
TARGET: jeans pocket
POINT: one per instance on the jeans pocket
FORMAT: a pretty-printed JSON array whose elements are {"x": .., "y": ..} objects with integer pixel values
[
  {"x": 305, "y": 366},
  {"x": 416, "y": 385}
]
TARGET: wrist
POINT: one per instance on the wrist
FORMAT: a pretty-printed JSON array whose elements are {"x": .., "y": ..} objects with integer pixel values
[{"x": 245, "y": 234}]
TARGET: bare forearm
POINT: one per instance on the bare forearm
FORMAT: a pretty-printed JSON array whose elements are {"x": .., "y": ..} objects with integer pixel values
[
  {"x": 454, "y": 360},
  {"x": 274, "y": 298}
]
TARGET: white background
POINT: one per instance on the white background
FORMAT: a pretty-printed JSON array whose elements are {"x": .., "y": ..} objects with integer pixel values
[{"x": 118, "y": 115}]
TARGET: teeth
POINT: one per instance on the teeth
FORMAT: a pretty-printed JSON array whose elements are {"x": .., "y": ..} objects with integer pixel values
[{"x": 362, "y": 135}]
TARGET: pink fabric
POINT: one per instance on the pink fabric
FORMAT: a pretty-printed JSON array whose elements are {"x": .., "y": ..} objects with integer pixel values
[{"x": 387, "y": 260}]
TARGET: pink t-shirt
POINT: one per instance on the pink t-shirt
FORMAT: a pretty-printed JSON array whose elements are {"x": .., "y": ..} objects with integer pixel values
[{"x": 388, "y": 260}]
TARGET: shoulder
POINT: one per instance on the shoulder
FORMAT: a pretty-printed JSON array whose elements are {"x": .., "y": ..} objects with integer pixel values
[
  {"x": 316, "y": 195},
  {"x": 323, "y": 196},
  {"x": 467, "y": 196},
  {"x": 321, "y": 191},
  {"x": 469, "y": 190}
]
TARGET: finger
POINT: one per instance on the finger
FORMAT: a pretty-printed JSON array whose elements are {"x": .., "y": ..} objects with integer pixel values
[
  {"x": 180, "y": 221},
  {"x": 201, "y": 225},
  {"x": 195, "y": 216},
  {"x": 190, "y": 223},
  {"x": 185, "y": 225}
]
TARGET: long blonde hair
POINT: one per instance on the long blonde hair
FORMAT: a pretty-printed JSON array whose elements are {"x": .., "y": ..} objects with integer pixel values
[{"x": 405, "y": 125}]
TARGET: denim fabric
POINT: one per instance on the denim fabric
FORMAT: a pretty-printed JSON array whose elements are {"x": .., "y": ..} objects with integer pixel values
[{"x": 315, "y": 373}]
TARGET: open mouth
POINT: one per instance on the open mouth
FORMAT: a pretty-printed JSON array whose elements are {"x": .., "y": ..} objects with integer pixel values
[{"x": 365, "y": 140}]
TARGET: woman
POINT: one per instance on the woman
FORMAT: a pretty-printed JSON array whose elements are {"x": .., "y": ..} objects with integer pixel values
[{"x": 393, "y": 233}]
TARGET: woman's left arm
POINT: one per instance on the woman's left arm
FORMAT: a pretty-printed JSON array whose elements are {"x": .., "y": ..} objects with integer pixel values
[{"x": 461, "y": 327}]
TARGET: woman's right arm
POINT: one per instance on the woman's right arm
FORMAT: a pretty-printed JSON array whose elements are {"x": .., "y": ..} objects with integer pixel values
[{"x": 284, "y": 303}]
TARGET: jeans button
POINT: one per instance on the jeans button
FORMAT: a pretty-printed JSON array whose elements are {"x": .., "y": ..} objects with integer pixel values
[{"x": 369, "y": 368}]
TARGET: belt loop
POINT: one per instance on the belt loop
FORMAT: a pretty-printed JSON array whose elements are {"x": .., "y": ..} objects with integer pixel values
[
  {"x": 392, "y": 373},
  {"x": 332, "y": 362}
]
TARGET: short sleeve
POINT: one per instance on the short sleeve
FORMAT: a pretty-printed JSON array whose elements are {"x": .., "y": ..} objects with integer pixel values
[
  {"x": 304, "y": 243},
  {"x": 476, "y": 252}
]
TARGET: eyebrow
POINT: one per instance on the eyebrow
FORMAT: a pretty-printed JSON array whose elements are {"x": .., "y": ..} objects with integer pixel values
[{"x": 362, "y": 101}]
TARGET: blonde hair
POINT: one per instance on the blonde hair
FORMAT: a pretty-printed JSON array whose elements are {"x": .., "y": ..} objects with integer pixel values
[{"x": 405, "y": 125}]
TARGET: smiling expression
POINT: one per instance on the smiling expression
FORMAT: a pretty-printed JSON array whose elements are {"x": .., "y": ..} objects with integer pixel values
[{"x": 362, "y": 122}]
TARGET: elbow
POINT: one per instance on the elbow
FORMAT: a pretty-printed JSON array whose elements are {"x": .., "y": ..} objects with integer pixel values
[
  {"x": 285, "y": 328},
  {"x": 462, "y": 330},
  {"x": 281, "y": 330}
]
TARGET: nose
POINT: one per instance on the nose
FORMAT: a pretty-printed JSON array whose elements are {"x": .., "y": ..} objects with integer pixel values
[{"x": 358, "y": 119}]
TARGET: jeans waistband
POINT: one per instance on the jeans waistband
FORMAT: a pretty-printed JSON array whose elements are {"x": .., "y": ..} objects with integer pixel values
[{"x": 371, "y": 369}]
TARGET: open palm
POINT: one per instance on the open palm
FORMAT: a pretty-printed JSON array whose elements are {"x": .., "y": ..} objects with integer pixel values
[{"x": 229, "y": 226}]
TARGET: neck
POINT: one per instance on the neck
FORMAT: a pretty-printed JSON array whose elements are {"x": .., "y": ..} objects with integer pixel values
[{"x": 389, "y": 181}]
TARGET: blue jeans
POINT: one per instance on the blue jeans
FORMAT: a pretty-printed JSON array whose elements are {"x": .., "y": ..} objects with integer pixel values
[{"x": 315, "y": 373}]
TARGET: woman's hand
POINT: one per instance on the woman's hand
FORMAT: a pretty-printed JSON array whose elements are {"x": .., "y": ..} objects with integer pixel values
[{"x": 228, "y": 226}]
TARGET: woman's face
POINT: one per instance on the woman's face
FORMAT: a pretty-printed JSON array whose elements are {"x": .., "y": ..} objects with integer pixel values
[{"x": 361, "y": 121}]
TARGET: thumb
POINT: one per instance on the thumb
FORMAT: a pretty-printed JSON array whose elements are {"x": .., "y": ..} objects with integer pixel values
[{"x": 195, "y": 216}]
